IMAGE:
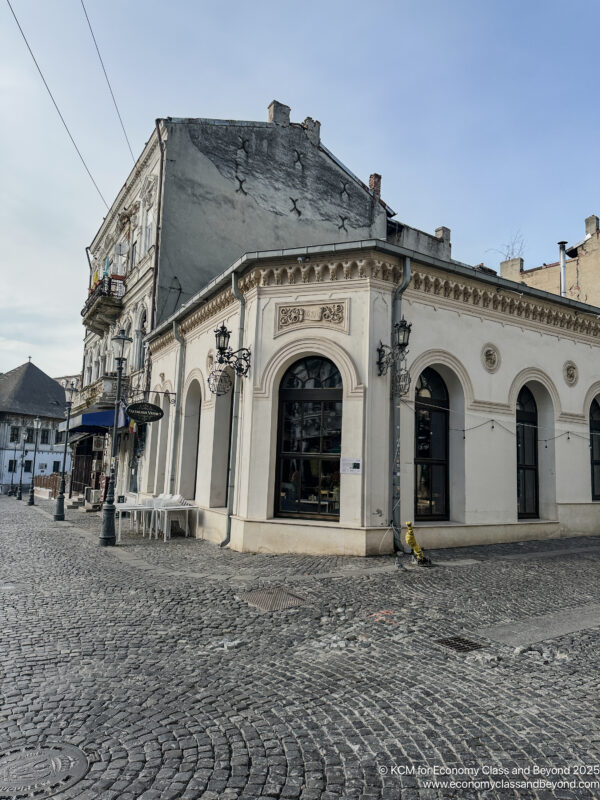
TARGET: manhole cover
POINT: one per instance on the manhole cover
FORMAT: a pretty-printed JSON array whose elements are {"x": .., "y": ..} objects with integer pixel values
[
  {"x": 40, "y": 771},
  {"x": 459, "y": 643},
  {"x": 272, "y": 599}
]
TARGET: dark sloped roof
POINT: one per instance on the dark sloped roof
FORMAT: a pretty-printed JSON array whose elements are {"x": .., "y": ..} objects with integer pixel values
[{"x": 28, "y": 390}]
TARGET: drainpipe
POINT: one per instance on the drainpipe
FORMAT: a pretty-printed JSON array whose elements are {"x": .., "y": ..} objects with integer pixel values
[
  {"x": 235, "y": 413},
  {"x": 395, "y": 471},
  {"x": 563, "y": 269},
  {"x": 158, "y": 224},
  {"x": 178, "y": 389}
]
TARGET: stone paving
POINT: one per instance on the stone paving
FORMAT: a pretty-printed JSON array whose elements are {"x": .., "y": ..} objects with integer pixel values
[{"x": 148, "y": 658}]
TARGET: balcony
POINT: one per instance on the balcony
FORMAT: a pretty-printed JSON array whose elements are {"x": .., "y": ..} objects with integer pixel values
[
  {"x": 104, "y": 304},
  {"x": 100, "y": 394}
]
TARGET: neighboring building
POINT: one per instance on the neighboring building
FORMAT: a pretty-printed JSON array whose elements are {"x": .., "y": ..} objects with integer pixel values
[
  {"x": 494, "y": 434},
  {"x": 26, "y": 393},
  {"x": 203, "y": 193},
  {"x": 582, "y": 268}
]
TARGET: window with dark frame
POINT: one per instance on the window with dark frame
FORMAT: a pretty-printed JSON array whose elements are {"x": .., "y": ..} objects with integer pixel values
[
  {"x": 14, "y": 433},
  {"x": 29, "y": 439},
  {"x": 431, "y": 447},
  {"x": 56, "y": 466},
  {"x": 27, "y": 466},
  {"x": 527, "y": 456},
  {"x": 595, "y": 448},
  {"x": 309, "y": 440},
  {"x": 12, "y": 465},
  {"x": 45, "y": 436},
  {"x": 59, "y": 437}
]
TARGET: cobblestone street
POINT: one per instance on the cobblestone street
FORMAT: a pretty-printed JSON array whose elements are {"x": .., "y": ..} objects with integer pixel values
[{"x": 148, "y": 659}]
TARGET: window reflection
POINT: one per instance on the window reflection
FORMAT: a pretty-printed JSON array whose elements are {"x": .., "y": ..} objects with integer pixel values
[{"x": 310, "y": 436}]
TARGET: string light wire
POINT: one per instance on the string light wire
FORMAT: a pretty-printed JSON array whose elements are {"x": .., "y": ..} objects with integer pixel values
[
  {"x": 62, "y": 119},
  {"x": 107, "y": 81}
]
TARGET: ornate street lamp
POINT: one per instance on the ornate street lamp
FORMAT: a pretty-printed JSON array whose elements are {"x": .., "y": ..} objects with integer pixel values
[
  {"x": 238, "y": 360},
  {"x": 37, "y": 424},
  {"x": 395, "y": 356},
  {"x": 60, "y": 500},
  {"x": 23, "y": 454},
  {"x": 107, "y": 537}
]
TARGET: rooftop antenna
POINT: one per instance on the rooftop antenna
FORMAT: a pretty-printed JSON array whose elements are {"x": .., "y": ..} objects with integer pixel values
[{"x": 29, "y": 357}]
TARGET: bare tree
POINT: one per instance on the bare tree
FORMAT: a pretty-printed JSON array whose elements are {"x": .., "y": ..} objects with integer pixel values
[{"x": 514, "y": 248}]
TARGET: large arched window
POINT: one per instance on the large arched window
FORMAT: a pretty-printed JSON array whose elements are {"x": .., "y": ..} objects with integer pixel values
[
  {"x": 595, "y": 448},
  {"x": 309, "y": 440},
  {"x": 527, "y": 456},
  {"x": 431, "y": 447}
]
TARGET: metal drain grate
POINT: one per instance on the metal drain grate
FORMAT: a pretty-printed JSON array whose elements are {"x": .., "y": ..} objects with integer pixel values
[
  {"x": 272, "y": 599},
  {"x": 460, "y": 644},
  {"x": 40, "y": 771}
]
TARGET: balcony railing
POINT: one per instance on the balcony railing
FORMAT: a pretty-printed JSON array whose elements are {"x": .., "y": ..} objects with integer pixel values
[
  {"x": 102, "y": 393},
  {"x": 104, "y": 303}
]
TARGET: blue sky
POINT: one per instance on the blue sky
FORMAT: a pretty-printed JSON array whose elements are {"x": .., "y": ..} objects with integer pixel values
[{"x": 480, "y": 116}]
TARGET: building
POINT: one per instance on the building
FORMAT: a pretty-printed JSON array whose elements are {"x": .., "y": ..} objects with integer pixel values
[
  {"x": 26, "y": 393},
  {"x": 495, "y": 440},
  {"x": 582, "y": 268},
  {"x": 203, "y": 193}
]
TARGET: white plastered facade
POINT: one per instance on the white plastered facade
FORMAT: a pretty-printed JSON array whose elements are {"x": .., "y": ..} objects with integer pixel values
[{"x": 455, "y": 322}]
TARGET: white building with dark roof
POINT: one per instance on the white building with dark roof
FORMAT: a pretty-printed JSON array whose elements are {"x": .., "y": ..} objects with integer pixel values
[{"x": 25, "y": 394}]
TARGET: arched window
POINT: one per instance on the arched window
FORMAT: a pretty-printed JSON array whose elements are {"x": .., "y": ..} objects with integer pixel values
[
  {"x": 527, "y": 456},
  {"x": 140, "y": 348},
  {"x": 595, "y": 448},
  {"x": 309, "y": 440},
  {"x": 431, "y": 447}
]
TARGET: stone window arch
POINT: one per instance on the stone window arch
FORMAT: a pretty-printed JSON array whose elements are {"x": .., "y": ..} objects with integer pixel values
[{"x": 309, "y": 440}]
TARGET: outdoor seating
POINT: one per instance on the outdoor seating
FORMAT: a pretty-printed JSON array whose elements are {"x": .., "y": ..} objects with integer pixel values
[{"x": 155, "y": 514}]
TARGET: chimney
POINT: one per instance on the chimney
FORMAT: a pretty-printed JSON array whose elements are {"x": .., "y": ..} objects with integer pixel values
[
  {"x": 511, "y": 269},
  {"x": 375, "y": 184},
  {"x": 312, "y": 128},
  {"x": 592, "y": 224},
  {"x": 279, "y": 113},
  {"x": 442, "y": 233}
]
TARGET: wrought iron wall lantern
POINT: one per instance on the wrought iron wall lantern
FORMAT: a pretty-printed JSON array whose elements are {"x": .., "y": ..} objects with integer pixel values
[
  {"x": 238, "y": 360},
  {"x": 395, "y": 356}
]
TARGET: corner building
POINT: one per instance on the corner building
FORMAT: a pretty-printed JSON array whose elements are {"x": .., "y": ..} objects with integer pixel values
[{"x": 497, "y": 438}]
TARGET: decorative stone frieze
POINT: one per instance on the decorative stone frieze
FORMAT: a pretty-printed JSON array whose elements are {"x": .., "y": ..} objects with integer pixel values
[
  {"x": 314, "y": 314},
  {"x": 501, "y": 301},
  {"x": 298, "y": 273},
  {"x": 490, "y": 357},
  {"x": 570, "y": 373}
]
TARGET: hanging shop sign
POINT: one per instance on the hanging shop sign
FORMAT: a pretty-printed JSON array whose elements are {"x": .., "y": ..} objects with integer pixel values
[{"x": 144, "y": 412}]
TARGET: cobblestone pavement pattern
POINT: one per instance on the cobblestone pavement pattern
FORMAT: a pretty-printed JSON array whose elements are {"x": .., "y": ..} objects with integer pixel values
[{"x": 146, "y": 658}]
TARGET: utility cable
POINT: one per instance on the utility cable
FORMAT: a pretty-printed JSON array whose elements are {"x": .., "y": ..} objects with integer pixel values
[
  {"x": 62, "y": 119},
  {"x": 107, "y": 81}
]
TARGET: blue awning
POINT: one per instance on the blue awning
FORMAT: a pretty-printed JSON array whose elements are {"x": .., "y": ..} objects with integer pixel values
[{"x": 94, "y": 422}]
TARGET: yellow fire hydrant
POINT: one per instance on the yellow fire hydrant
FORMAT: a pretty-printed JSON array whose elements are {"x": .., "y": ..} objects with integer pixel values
[{"x": 411, "y": 541}]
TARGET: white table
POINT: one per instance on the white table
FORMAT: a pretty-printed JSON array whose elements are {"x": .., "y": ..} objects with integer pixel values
[
  {"x": 133, "y": 508},
  {"x": 165, "y": 512}
]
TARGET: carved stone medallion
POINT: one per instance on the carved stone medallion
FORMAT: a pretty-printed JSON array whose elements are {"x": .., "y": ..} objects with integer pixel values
[
  {"x": 316, "y": 314},
  {"x": 570, "y": 373},
  {"x": 490, "y": 357}
]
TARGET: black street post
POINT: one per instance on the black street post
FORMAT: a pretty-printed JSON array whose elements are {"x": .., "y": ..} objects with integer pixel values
[
  {"x": 59, "y": 515},
  {"x": 12, "y": 490},
  {"x": 23, "y": 454},
  {"x": 107, "y": 537},
  {"x": 37, "y": 423}
]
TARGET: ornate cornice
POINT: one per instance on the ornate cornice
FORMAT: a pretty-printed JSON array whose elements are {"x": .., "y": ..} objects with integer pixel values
[
  {"x": 212, "y": 307},
  {"x": 294, "y": 273},
  {"x": 501, "y": 302}
]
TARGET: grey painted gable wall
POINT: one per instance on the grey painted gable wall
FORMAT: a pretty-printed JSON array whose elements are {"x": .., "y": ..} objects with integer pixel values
[{"x": 234, "y": 188}]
